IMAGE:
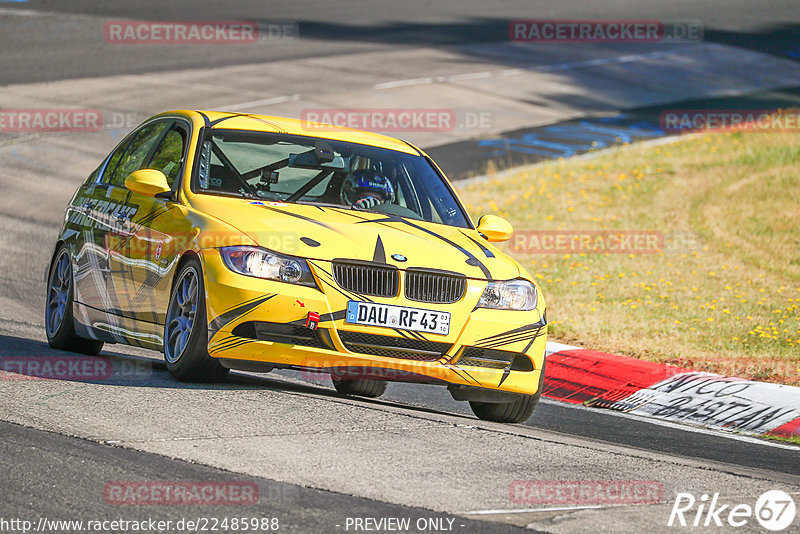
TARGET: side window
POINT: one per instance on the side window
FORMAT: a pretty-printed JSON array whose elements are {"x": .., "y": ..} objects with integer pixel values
[
  {"x": 169, "y": 154},
  {"x": 93, "y": 177},
  {"x": 112, "y": 162},
  {"x": 136, "y": 152}
]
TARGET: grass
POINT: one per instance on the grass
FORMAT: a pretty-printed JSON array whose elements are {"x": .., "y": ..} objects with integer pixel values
[
  {"x": 722, "y": 295},
  {"x": 794, "y": 440}
]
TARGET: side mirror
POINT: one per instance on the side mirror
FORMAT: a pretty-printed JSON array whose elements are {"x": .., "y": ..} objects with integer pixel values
[
  {"x": 148, "y": 182},
  {"x": 495, "y": 228}
]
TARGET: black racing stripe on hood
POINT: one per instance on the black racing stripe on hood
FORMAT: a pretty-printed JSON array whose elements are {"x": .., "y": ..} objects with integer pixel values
[
  {"x": 382, "y": 222},
  {"x": 379, "y": 256},
  {"x": 302, "y": 217},
  {"x": 468, "y": 254},
  {"x": 486, "y": 251}
]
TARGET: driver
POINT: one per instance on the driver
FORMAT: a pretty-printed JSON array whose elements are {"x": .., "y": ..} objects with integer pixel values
[{"x": 366, "y": 189}]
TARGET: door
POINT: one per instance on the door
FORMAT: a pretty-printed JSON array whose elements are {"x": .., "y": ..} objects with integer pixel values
[
  {"x": 112, "y": 212},
  {"x": 159, "y": 232}
]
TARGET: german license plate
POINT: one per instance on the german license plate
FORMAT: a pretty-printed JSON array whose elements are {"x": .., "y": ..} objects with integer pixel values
[{"x": 402, "y": 317}]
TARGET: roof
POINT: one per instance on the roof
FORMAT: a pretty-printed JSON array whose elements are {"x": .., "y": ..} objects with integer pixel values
[{"x": 265, "y": 123}]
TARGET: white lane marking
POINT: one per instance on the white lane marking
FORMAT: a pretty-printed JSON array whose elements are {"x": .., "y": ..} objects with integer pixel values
[
  {"x": 22, "y": 12},
  {"x": 677, "y": 426},
  {"x": 262, "y": 102},
  {"x": 513, "y": 72},
  {"x": 470, "y": 76},
  {"x": 553, "y": 347},
  {"x": 402, "y": 83}
]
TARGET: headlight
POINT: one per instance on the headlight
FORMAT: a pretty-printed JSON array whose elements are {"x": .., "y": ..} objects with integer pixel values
[
  {"x": 262, "y": 263},
  {"x": 511, "y": 295}
]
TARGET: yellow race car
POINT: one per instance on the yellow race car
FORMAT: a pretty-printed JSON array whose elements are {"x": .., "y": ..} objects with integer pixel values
[{"x": 237, "y": 241}]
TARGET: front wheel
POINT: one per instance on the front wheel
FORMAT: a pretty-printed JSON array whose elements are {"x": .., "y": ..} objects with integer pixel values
[
  {"x": 363, "y": 387},
  {"x": 517, "y": 411},
  {"x": 186, "y": 328},
  {"x": 58, "y": 319}
]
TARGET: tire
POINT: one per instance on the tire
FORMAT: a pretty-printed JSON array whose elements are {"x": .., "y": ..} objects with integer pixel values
[
  {"x": 186, "y": 328},
  {"x": 363, "y": 387},
  {"x": 517, "y": 411},
  {"x": 59, "y": 321}
]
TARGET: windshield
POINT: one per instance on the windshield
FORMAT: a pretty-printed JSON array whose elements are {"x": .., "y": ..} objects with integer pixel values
[{"x": 296, "y": 169}]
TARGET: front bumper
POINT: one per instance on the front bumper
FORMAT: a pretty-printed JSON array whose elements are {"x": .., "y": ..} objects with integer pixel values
[{"x": 256, "y": 320}]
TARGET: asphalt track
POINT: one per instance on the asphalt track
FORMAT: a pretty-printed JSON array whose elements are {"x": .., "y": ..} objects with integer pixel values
[
  {"x": 408, "y": 454},
  {"x": 70, "y": 466},
  {"x": 43, "y": 50}
]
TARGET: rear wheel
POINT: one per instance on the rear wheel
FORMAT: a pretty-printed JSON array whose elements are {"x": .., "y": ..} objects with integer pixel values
[
  {"x": 517, "y": 411},
  {"x": 58, "y": 319},
  {"x": 363, "y": 387},
  {"x": 186, "y": 328}
]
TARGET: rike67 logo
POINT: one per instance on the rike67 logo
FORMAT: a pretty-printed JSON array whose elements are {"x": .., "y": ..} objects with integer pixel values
[{"x": 774, "y": 510}]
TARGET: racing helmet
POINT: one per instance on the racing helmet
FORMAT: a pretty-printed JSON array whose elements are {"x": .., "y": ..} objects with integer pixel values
[{"x": 367, "y": 182}]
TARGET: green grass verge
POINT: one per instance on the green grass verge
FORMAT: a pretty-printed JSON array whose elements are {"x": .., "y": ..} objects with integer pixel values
[{"x": 723, "y": 292}]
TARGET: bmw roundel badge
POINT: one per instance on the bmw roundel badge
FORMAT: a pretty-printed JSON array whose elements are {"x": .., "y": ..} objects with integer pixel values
[{"x": 398, "y": 257}]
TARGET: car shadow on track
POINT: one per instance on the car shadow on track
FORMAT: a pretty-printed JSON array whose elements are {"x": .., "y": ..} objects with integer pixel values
[{"x": 29, "y": 359}]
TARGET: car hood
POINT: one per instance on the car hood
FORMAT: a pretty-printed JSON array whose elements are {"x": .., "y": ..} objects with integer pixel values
[{"x": 321, "y": 233}]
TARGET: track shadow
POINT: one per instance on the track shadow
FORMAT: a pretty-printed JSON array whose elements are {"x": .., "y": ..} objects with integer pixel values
[
  {"x": 27, "y": 359},
  {"x": 780, "y": 39},
  {"x": 23, "y": 359}
]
